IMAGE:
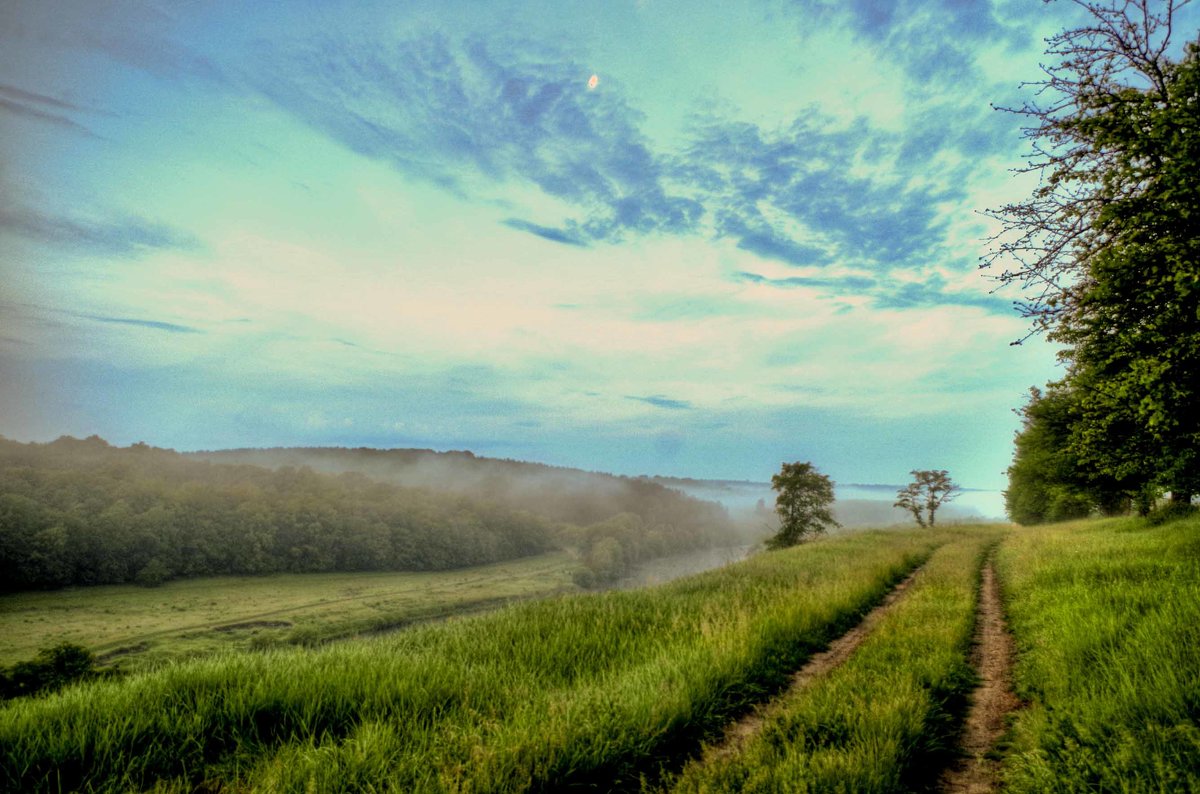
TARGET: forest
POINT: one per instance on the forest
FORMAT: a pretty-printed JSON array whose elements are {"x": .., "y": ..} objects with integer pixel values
[{"x": 84, "y": 512}]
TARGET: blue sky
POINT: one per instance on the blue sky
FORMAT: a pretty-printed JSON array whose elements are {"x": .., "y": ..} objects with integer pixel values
[{"x": 754, "y": 239}]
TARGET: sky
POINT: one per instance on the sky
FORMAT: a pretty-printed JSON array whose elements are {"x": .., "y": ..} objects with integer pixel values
[{"x": 681, "y": 238}]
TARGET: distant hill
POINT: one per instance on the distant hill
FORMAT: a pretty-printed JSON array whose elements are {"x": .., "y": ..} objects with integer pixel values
[
  {"x": 613, "y": 522},
  {"x": 78, "y": 512},
  {"x": 557, "y": 493}
]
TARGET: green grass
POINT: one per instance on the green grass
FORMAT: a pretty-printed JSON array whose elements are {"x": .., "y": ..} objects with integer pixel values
[
  {"x": 1106, "y": 620},
  {"x": 137, "y": 627},
  {"x": 885, "y": 719},
  {"x": 607, "y": 690},
  {"x": 565, "y": 691}
]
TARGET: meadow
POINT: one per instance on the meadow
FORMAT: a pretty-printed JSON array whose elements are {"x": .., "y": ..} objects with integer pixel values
[
  {"x": 1106, "y": 619},
  {"x": 136, "y": 627},
  {"x": 623, "y": 690},
  {"x": 561, "y": 691}
]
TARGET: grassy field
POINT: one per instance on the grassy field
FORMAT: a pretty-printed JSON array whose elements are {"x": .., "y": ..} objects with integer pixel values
[
  {"x": 137, "y": 626},
  {"x": 618, "y": 690},
  {"x": 884, "y": 720},
  {"x": 1106, "y": 619},
  {"x": 556, "y": 692}
]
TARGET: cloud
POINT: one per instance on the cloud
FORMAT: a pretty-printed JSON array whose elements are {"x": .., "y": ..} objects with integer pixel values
[
  {"x": 491, "y": 117},
  {"x": 20, "y": 95},
  {"x": 801, "y": 196},
  {"x": 10, "y": 101},
  {"x": 935, "y": 41},
  {"x": 841, "y": 284},
  {"x": 770, "y": 243},
  {"x": 127, "y": 236},
  {"x": 556, "y": 235},
  {"x": 659, "y": 401},
  {"x": 155, "y": 324},
  {"x": 132, "y": 33},
  {"x": 474, "y": 114},
  {"x": 913, "y": 295}
]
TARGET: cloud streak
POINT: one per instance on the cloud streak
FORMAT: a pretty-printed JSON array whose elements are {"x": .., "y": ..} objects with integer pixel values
[
  {"x": 156, "y": 325},
  {"x": 659, "y": 401},
  {"x": 129, "y": 236}
]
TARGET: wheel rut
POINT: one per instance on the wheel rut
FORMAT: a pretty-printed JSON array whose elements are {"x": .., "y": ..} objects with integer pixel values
[
  {"x": 993, "y": 700},
  {"x": 819, "y": 664}
]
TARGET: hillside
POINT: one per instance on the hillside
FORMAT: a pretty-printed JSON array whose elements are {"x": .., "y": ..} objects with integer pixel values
[
  {"x": 556, "y": 493},
  {"x": 84, "y": 512}
]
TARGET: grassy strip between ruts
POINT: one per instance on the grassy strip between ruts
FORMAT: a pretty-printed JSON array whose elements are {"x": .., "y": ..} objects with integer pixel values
[
  {"x": 1106, "y": 622},
  {"x": 539, "y": 696},
  {"x": 883, "y": 721}
]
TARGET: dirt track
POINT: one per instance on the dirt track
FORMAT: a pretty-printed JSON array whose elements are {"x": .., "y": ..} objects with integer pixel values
[
  {"x": 819, "y": 664},
  {"x": 993, "y": 700}
]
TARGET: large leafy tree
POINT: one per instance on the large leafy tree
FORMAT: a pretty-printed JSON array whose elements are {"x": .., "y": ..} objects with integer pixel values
[
  {"x": 1108, "y": 247},
  {"x": 803, "y": 503}
]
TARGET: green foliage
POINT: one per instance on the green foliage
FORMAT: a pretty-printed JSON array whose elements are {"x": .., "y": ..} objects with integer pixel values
[
  {"x": 52, "y": 669},
  {"x": 804, "y": 504},
  {"x": 1109, "y": 243},
  {"x": 929, "y": 490},
  {"x": 153, "y": 573},
  {"x": 1171, "y": 511},
  {"x": 1104, "y": 616},
  {"x": 1048, "y": 480},
  {"x": 582, "y": 691}
]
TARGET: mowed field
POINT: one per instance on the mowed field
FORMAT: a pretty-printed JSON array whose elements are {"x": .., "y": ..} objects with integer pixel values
[
  {"x": 642, "y": 690},
  {"x": 137, "y": 627}
]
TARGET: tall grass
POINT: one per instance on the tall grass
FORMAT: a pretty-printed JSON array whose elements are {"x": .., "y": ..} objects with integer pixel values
[
  {"x": 566, "y": 691},
  {"x": 1106, "y": 621},
  {"x": 883, "y": 721}
]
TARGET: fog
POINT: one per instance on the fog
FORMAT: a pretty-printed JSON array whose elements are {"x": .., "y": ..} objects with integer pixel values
[{"x": 856, "y": 505}]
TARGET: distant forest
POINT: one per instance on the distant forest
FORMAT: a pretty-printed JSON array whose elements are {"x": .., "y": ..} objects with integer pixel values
[{"x": 84, "y": 512}]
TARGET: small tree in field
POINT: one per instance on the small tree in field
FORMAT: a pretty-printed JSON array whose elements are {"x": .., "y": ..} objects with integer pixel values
[
  {"x": 803, "y": 504},
  {"x": 929, "y": 490}
]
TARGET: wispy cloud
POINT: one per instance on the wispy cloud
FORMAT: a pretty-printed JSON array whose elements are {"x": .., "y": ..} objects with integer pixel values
[
  {"x": 659, "y": 401},
  {"x": 478, "y": 113},
  {"x": 157, "y": 325},
  {"x": 932, "y": 292},
  {"x": 15, "y": 94},
  {"x": 127, "y": 236},
  {"x": 850, "y": 284},
  {"x": 40, "y": 108},
  {"x": 556, "y": 235}
]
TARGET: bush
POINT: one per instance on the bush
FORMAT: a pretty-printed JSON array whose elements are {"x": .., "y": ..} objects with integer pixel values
[
  {"x": 153, "y": 573},
  {"x": 1171, "y": 511},
  {"x": 53, "y": 668}
]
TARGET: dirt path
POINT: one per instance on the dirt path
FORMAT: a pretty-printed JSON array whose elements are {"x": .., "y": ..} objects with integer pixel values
[
  {"x": 818, "y": 665},
  {"x": 974, "y": 772}
]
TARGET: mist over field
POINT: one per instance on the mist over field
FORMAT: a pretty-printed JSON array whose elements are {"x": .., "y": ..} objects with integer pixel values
[{"x": 857, "y": 505}]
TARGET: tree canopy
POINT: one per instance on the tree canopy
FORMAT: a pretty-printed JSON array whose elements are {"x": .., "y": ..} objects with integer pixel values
[
  {"x": 929, "y": 490},
  {"x": 803, "y": 504},
  {"x": 1108, "y": 248},
  {"x": 81, "y": 512}
]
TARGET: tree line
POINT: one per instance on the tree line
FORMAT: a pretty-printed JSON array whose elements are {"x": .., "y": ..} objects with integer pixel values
[
  {"x": 83, "y": 512},
  {"x": 1108, "y": 251}
]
